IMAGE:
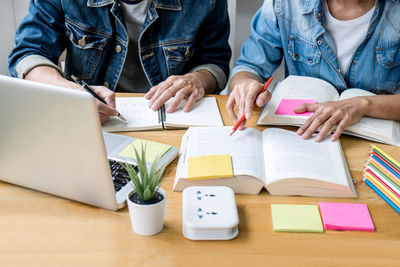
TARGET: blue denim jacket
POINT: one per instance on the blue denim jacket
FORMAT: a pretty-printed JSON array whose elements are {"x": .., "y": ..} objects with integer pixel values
[
  {"x": 177, "y": 37},
  {"x": 295, "y": 30}
]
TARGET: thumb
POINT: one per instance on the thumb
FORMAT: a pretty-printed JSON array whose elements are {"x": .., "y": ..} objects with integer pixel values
[
  {"x": 263, "y": 99},
  {"x": 306, "y": 108}
]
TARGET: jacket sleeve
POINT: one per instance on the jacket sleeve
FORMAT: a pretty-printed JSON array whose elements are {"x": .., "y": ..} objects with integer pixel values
[
  {"x": 41, "y": 34},
  {"x": 213, "y": 52},
  {"x": 262, "y": 53}
]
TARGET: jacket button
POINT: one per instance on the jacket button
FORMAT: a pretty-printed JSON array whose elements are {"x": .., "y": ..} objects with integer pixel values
[
  {"x": 118, "y": 49},
  {"x": 319, "y": 42},
  {"x": 296, "y": 56},
  {"x": 82, "y": 41},
  {"x": 106, "y": 84}
]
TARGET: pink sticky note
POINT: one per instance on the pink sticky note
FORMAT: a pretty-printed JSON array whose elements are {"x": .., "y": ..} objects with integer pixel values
[
  {"x": 286, "y": 106},
  {"x": 346, "y": 216}
]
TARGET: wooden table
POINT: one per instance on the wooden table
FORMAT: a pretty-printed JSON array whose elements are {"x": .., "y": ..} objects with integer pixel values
[{"x": 37, "y": 229}]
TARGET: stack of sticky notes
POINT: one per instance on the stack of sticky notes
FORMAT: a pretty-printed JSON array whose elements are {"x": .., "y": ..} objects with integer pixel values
[
  {"x": 210, "y": 167},
  {"x": 346, "y": 216},
  {"x": 296, "y": 218},
  {"x": 382, "y": 174},
  {"x": 152, "y": 149},
  {"x": 307, "y": 218}
]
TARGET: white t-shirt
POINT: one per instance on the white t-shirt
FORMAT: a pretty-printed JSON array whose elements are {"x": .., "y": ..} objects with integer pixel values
[{"x": 347, "y": 35}]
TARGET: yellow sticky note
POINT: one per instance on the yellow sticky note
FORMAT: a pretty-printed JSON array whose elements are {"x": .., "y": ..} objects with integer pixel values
[
  {"x": 152, "y": 149},
  {"x": 296, "y": 218},
  {"x": 209, "y": 167}
]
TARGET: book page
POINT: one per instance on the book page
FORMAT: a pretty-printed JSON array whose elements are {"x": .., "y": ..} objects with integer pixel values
[
  {"x": 385, "y": 130},
  {"x": 205, "y": 112},
  {"x": 137, "y": 113},
  {"x": 296, "y": 87},
  {"x": 287, "y": 155},
  {"x": 244, "y": 147}
]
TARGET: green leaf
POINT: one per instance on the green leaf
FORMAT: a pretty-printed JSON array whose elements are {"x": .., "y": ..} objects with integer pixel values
[
  {"x": 147, "y": 194},
  {"x": 145, "y": 182}
]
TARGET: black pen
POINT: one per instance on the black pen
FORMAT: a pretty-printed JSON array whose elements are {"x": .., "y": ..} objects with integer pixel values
[{"x": 93, "y": 93}]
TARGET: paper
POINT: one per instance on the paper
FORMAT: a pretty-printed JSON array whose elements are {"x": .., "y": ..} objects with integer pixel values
[
  {"x": 286, "y": 106},
  {"x": 210, "y": 167},
  {"x": 152, "y": 149},
  {"x": 296, "y": 218},
  {"x": 346, "y": 216}
]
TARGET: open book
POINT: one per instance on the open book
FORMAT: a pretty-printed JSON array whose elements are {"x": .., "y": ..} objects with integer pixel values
[
  {"x": 297, "y": 88},
  {"x": 140, "y": 117},
  {"x": 277, "y": 159}
]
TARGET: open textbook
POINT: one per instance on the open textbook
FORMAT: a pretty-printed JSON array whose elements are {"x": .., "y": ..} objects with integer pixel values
[
  {"x": 277, "y": 159},
  {"x": 311, "y": 90},
  {"x": 140, "y": 117}
]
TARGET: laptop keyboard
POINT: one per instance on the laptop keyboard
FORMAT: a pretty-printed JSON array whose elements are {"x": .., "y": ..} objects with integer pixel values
[{"x": 119, "y": 175}]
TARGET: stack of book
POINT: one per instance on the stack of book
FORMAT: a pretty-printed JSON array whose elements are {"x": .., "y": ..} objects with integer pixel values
[{"x": 382, "y": 174}]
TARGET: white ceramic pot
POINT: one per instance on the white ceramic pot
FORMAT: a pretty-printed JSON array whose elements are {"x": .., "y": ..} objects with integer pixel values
[{"x": 147, "y": 219}]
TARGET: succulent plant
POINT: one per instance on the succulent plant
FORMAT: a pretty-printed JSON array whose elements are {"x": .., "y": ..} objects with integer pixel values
[{"x": 145, "y": 183}]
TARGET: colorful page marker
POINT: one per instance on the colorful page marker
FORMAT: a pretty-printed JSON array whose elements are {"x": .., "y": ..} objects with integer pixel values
[
  {"x": 286, "y": 106},
  {"x": 152, "y": 149},
  {"x": 346, "y": 216},
  {"x": 296, "y": 218},
  {"x": 210, "y": 167}
]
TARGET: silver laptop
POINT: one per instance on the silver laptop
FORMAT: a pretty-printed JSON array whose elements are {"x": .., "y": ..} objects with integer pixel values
[{"x": 51, "y": 140}]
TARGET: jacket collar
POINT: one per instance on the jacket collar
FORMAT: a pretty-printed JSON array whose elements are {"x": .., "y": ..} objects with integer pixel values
[
  {"x": 309, "y": 5},
  {"x": 161, "y": 4}
]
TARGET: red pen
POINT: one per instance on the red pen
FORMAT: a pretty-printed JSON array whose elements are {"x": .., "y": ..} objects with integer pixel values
[{"x": 243, "y": 116}]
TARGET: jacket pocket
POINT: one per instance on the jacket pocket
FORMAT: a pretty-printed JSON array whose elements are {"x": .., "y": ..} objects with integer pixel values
[
  {"x": 177, "y": 56},
  {"x": 387, "y": 74},
  {"x": 304, "y": 55},
  {"x": 84, "y": 50}
]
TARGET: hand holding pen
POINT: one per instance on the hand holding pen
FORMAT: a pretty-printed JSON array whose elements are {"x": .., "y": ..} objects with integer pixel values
[
  {"x": 243, "y": 117},
  {"x": 90, "y": 90}
]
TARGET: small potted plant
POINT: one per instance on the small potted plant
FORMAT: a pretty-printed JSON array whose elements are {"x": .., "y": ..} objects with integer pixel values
[{"x": 147, "y": 201}]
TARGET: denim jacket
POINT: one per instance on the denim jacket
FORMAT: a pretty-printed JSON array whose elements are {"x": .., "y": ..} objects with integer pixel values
[
  {"x": 178, "y": 36},
  {"x": 295, "y": 30}
]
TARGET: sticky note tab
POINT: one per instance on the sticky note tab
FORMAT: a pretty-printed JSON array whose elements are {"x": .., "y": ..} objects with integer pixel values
[
  {"x": 209, "y": 167},
  {"x": 346, "y": 216},
  {"x": 296, "y": 218},
  {"x": 286, "y": 106},
  {"x": 152, "y": 149}
]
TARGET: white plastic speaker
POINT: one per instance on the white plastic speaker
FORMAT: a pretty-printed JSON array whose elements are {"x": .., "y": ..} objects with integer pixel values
[{"x": 209, "y": 213}]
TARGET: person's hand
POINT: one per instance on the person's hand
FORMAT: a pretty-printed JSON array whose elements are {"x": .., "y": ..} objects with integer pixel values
[
  {"x": 243, "y": 94},
  {"x": 328, "y": 116},
  {"x": 50, "y": 75},
  {"x": 189, "y": 86},
  {"x": 105, "y": 111}
]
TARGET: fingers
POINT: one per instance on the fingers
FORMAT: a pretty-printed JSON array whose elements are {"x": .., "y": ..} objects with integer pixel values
[
  {"x": 188, "y": 86},
  {"x": 339, "y": 130},
  {"x": 263, "y": 99},
  {"x": 312, "y": 125},
  {"x": 230, "y": 104},
  {"x": 105, "y": 110},
  {"x": 189, "y": 104},
  {"x": 243, "y": 97},
  {"x": 327, "y": 117},
  {"x": 306, "y": 108}
]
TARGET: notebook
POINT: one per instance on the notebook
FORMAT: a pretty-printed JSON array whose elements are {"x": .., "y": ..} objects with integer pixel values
[{"x": 140, "y": 117}]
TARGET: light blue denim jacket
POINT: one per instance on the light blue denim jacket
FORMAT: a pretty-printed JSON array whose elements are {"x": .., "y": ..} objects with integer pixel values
[
  {"x": 295, "y": 30},
  {"x": 178, "y": 36}
]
